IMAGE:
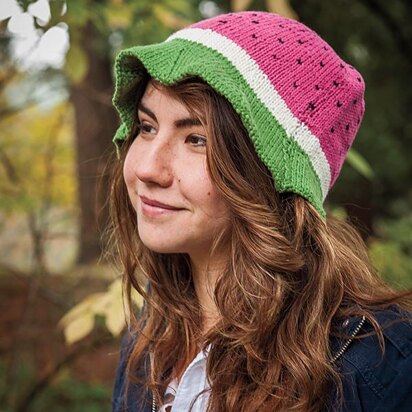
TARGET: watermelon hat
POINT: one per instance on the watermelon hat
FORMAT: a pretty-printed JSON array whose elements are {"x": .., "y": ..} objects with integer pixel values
[{"x": 300, "y": 102}]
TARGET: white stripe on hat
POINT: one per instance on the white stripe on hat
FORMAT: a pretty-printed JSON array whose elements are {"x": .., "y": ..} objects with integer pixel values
[{"x": 259, "y": 82}]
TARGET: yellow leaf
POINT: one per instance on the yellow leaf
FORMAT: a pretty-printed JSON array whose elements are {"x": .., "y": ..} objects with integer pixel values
[
  {"x": 79, "y": 310},
  {"x": 76, "y": 65},
  {"x": 119, "y": 17},
  {"x": 79, "y": 328},
  {"x": 137, "y": 299},
  {"x": 116, "y": 287},
  {"x": 79, "y": 321},
  {"x": 115, "y": 317},
  {"x": 117, "y": 294},
  {"x": 282, "y": 7},
  {"x": 240, "y": 5},
  {"x": 168, "y": 18},
  {"x": 102, "y": 304}
]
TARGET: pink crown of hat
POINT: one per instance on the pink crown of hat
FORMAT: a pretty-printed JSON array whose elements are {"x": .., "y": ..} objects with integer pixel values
[{"x": 301, "y": 103}]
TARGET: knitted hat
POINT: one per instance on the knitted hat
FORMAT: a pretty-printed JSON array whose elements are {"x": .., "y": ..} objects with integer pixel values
[{"x": 300, "y": 102}]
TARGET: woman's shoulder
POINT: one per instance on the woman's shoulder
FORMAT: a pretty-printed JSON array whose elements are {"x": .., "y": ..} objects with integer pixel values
[{"x": 374, "y": 380}]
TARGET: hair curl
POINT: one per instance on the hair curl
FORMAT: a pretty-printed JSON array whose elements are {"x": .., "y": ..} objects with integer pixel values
[{"x": 290, "y": 280}]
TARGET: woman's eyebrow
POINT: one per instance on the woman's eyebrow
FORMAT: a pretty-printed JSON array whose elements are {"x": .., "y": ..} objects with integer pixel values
[
  {"x": 188, "y": 122},
  {"x": 179, "y": 124}
]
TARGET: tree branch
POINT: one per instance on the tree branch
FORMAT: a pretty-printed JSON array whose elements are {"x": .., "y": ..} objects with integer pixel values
[{"x": 41, "y": 385}]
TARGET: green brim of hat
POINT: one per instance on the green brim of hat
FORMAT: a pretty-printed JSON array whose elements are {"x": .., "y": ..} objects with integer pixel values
[{"x": 174, "y": 60}]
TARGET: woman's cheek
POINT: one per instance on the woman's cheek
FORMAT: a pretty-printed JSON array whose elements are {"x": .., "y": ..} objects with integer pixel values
[{"x": 128, "y": 171}]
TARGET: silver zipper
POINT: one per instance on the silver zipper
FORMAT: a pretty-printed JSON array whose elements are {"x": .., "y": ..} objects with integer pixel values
[
  {"x": 349, "y": 341},
  {"x": 154, "y": 407},
  {"x": 334, "y": 359}
]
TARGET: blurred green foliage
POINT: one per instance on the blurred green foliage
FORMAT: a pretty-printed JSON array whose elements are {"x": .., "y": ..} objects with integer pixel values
[
  {"x": 38, "y": 144},
  {"x": 391, "y": 250},
  {"x": 63, "y": 395},
  {"x": 69, "y": 395}
]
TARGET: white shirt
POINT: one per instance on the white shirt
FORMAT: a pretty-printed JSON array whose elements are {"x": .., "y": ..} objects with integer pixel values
[{"x": 193, "y": 382}]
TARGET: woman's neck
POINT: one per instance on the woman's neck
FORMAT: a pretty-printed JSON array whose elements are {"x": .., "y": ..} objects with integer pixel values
[{"x": 205, "y": 275}]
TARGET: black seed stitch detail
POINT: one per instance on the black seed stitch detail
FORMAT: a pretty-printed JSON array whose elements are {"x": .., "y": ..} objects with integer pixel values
[
  {"x": 342, "y": 66},
  {"x": 335, "y": 83},
  {"x": 223, "y": 21},
  {"x": 347, "y": 127},
  {"x": 275, "y": 56},
  {"x": 359, "y": 79},
  {"x": 355, "y": 101},
  {"x": 295, "y": 84},
  {"x": 339, "y": 104},
  {"x": 255, "y": 22},
  {"x": 281, "y": 26},
  {"x": 300, "y": 61},
  {"x": 325, "y": 48},
  {"x": 332, "y": 130},
  {"x": 311, "y": 106},
  {"x": 300, "y": 41},
  {"x": 317, "y": 87},
  {"x": 254, "y": 36},
  {"x": 280, "y": 40},
  {"x": 322, "y": 64}
]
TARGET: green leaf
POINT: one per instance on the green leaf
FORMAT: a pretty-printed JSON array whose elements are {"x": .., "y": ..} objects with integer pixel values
[
  {"x": 391, "y": 262},
  {"x": 338, "y": 212},
  {"x": 359, "y": 163},
  {"x": 56, "y": 11},
  {"x": 78, "y": 13}
]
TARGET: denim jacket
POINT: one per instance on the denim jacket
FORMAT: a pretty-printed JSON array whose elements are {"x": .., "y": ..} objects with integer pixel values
[{"x": 371, "y": 382}]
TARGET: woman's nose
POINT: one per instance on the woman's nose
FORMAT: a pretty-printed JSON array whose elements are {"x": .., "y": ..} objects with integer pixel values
[{"x": 154, "y": 162}]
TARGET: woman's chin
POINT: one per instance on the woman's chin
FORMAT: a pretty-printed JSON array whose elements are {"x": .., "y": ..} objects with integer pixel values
[{"x": 161, "y": 247}]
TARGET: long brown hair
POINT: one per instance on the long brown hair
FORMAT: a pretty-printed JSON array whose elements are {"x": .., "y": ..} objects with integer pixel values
[{"x": 291, "y": 277}]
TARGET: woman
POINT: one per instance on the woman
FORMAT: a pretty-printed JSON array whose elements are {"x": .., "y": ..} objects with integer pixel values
[{"x": 233, "y": 131}]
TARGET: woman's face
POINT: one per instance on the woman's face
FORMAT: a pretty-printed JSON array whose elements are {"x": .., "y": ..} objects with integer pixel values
[{"x": 178, "y": 207}]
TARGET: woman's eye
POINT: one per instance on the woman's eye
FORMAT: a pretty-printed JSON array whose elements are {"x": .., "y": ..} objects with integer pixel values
[
  {"x": 195, "y": 140},
  {"x": 146, "y": 128}
]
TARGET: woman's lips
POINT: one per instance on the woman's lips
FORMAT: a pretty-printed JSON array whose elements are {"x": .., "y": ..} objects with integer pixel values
[{"x": 152, "y": 208}]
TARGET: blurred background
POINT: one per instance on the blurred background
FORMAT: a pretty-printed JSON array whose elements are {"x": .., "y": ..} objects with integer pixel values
[{"x": 61, "y": 315}]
